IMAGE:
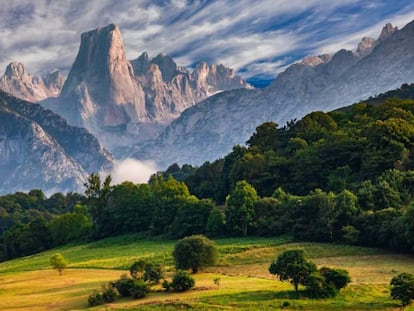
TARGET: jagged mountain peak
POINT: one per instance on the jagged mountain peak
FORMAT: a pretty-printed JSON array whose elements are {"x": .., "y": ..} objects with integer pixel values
[
  {"x": 387, "y": 31},
  {"x": 15, "y": 70},
  {"x": 141, "y": 64},
  {"x": 365, "y": 46},
  {"x": 167, "y": 66},
  {"x": 21, "y": 84}
]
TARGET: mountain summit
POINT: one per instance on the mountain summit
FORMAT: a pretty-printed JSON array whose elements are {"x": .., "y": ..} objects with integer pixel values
[{"x": 100, "y": 89}]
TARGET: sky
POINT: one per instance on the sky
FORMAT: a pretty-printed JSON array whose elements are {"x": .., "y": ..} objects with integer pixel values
[{"x": 258, "y": 38}]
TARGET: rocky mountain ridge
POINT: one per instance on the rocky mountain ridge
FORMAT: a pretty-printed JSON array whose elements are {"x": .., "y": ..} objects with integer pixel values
[
  {"x": 208, "y": 130},
  {"x": 38, "y": 149}
]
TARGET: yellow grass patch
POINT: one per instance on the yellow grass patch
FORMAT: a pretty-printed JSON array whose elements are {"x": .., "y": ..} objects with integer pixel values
[{"x": 47, "y": 290}]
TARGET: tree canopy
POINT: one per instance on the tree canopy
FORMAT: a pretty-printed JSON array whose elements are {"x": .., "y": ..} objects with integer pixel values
[
  {"x": 293, "y": 266},
  {"x": 194, "y": 252}
]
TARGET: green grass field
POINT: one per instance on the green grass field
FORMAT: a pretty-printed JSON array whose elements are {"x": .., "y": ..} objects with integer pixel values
[{"x": 245, "y": 284}]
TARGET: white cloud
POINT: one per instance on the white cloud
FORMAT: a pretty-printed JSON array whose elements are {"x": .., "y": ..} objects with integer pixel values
[
  {"x": 131, "y": 170},
  {"x": 350, "y": 41}
]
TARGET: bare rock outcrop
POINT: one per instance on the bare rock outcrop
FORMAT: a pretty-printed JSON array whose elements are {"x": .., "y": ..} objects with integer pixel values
[{"x": 19, "y": 83}]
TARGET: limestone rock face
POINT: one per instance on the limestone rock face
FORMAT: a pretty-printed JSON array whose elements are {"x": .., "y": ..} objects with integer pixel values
[
  {"x": 367, "y": 45},
  {"x": 210, "y": 129},
  {"x": 38, "y": 149},
  {"x": 313, "y": 61},
  {"x": 54, "y": 82},
  {"x": 19, "y": 83}
]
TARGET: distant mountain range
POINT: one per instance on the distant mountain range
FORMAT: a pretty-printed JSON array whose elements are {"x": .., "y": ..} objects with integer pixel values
[
  {"x": 208, "y": 130},
  {"x": 151, "y": 108},
  {"x": 124, "y": 102}
]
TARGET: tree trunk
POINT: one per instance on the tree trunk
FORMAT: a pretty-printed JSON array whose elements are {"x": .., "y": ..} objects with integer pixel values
[
  {"x": 296, "y": 286},
  {"x": 245, "y": 229}
]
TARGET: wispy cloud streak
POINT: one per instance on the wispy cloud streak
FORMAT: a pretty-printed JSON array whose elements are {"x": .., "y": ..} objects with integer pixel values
[{"x": 254, "y": 37}]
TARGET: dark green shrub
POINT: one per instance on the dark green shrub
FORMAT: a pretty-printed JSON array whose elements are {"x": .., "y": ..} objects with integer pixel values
[
  {"x": 167, "y": 286},
  {"x": 317, "y": 287},
  {"x": 109, "y": 293},
  {"x": 138, "y": 289},
  {"x": 182, "y": 281},
  {"x": 285, "y": 304},
  {"x": 402, "y": 288},
  {"x": 338, "y": 277},
  {"x": 123, "y": 285},
  {"x": 137, "y": 268},
  {"x": 95, "y": 299},
  {"x": 153, "y": 273}
]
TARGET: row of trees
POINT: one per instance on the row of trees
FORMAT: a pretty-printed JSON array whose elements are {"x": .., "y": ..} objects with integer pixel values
[{"x": 165, "y": 206}]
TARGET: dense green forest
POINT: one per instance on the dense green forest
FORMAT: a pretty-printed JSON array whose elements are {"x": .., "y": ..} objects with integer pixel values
[{"x": 346, "y": 176}]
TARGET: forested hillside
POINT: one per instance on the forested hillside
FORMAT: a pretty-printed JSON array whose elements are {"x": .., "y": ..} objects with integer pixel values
[{"x": 345, "y": 176}]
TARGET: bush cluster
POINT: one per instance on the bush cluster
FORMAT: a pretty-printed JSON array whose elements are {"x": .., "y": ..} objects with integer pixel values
[
  {"x": 326, "y": 282},
  {"x": 107, "y": 295},
  {"x": 181, "y": 282},
  {"x": 143, "y": 275}
]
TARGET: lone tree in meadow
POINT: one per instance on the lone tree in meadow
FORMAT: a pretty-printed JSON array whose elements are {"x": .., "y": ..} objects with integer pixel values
[
  {"x": 402, "y": 288},
  {"x": 194, "y": 252},
  {"x": 293, "y": 266},
  {"x": 58, "y": 262}
]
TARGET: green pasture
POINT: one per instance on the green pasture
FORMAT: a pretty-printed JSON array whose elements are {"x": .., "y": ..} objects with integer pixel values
[{"x": 245, "y": 284}]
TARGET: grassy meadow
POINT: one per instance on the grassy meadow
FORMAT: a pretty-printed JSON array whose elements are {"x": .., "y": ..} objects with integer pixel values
[{"x": 245, "y": 284}]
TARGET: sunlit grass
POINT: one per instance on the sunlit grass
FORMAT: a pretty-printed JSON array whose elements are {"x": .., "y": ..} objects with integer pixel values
[{"x": 245, "y": 283}]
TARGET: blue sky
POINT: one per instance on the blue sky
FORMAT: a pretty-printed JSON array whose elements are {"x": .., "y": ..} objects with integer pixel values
[{"x": 258, "y": 38}]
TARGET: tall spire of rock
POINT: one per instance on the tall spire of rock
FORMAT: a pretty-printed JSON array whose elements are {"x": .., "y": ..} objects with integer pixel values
[{"x": 102, "y": 80}]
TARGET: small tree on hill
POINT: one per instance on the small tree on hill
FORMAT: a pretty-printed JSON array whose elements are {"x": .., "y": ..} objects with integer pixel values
[
  {"x": 194, "y": 252},
  {"x": 58, "y": 262},
  {"x": 292, "y": 265},
  {"x": 402, "y": 287}
]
